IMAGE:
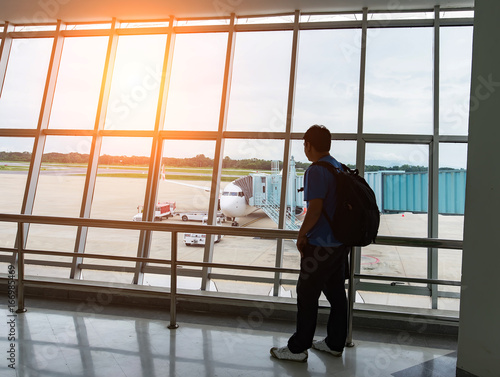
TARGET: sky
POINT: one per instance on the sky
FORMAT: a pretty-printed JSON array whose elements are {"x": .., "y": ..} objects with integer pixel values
[{"x": 398, "y": 91}]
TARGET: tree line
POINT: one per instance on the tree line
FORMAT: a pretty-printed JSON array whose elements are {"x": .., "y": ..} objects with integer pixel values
[{"x": 199, "y": 161}]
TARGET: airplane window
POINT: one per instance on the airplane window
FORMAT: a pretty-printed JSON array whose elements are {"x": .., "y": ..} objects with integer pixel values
[
  {"x": 234, "y": 194},
  {"x": 225, "y": 193}
]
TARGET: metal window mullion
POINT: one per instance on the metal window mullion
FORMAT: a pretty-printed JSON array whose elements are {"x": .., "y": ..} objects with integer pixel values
[
  {"x": 280, "y": 243},
  {"x": 146, "y": 31},
  {"x": 156, "y": 155},
  {"x": 95, "y": 150},
  {"x": 5, "y": 46},
  {"x": 355, "y": 258},
  {"x": 330, "y": 25},
  {"x": 13, "y": 132},
  {"x": 219, "y": 151},
  {"x": 33, "y": 34},
  {"x": 87, "y": 33},
  {"x": 360, "y": 145},
  {"x": 433, "y": 206},
  {"x": 397, "y": 139},
  {"x": 43, "y": 122},
  {"x": 453, "y": 139}
]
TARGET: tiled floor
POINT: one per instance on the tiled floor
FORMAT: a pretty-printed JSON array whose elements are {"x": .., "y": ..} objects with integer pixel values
[{"x": 59, "y": 339}]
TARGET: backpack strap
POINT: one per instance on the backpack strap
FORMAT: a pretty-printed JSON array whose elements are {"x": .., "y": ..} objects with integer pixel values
[{"x": 335, "y": 171}]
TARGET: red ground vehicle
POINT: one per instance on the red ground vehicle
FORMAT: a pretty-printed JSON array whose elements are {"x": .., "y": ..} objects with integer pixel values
[{"x": 162, "y": 211}]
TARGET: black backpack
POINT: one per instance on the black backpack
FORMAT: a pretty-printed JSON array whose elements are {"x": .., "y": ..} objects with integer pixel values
[{"x": 356, "y": 218}]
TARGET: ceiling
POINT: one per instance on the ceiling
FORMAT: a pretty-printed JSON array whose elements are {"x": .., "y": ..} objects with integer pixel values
[{"x": 39, "y": 11}]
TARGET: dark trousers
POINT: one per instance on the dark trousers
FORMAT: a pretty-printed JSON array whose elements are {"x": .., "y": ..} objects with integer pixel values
[{"x": 322, "y": 269}]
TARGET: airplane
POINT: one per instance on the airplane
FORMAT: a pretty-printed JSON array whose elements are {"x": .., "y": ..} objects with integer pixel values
[
  {"x": 233, "y": 203},
  {"x": 235, "y": 200}
]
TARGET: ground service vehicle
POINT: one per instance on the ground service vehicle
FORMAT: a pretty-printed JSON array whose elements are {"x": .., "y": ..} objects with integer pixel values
[
  {"x": 162, "y": 211},
  {"x": 199, "y": 216},
  {"x": 199, "y": 239}
]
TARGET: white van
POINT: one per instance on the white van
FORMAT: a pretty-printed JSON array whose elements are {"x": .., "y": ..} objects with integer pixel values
[
  {"x": 199, "y": 216},
  {"x": 193, "y": 216},
  {"x": 199, "y": 239}
]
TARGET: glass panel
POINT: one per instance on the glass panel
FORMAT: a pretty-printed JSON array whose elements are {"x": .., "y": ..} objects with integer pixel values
[
  {"x": 119, "y": 190},
  {"x": 398, "y": 91},
  {"x": 111, "y": 242},
  {"x": 265, "y": 20},
  {"x": 221, "y": 21},
  {"x": 457, "y": 14},
  {"x": 342, "y": 151},
  {"x": 400, "y": 16},
  {"x": 50, "y": 238},
  {"x": 35, "y": 27},
  {"x": 452, "y": 180},
  {"x": 397, "y": 261},
  {"x": 454, "y": 80},
  {"x": 252, "y": 251},
  {"x": 331, "y": 17},
  {"x": 393, "y": 299},
  {"x": 59, "y": 193},
  {"x": 194, "y": 94},
  {"x": 133, "y": 25},
  {"x": 398, "y": 175},
  {"x": 184, "y": 185},
  {"x": 25, "y": 82},
  {"x": 291, "y": 259},
  {"x": 88, "y": 26},
  {"x": 449, "y": 268},
  {"x": 136, "y": 82},
  {"x": 15, "y": 157},
  {"x": 327, "y": 86},
  {"x": 121, "y": 177},
  {"x": 259, "y": 89},
  {"x": 252, "y": 197},
  {"x": 187, "y": 277},
  {"x": 79, "y": 83},
  {"x": 62, "y": 176},
  {"x": 186, "y": 175}
]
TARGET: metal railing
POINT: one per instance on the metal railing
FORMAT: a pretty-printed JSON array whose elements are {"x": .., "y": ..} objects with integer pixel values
[{"x": 174, "y": 229}]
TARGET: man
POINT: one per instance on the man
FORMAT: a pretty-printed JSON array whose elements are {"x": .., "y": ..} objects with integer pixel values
[{"x": 323, "y": 261}]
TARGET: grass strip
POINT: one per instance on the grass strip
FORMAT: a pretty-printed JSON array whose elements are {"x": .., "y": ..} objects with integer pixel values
[{"x": 167, "y": 177}]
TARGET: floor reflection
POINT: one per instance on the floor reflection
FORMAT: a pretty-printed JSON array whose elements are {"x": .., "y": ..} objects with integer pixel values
[{"x": 71, "y": 343}]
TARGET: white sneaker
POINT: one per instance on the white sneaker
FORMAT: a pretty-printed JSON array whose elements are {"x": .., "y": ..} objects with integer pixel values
[
  {"x": 284, "y": 353},
  {"x": 321, "y": 345}
]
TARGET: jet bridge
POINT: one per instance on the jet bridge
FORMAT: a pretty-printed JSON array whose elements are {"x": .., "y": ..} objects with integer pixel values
[{"x": 263, "y": 190}]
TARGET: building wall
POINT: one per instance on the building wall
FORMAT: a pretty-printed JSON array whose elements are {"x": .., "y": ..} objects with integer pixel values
[{"x": 479, "y": 335}]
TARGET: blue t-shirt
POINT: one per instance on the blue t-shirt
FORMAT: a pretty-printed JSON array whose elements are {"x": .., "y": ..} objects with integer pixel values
[{"x": 319, "y": 183}]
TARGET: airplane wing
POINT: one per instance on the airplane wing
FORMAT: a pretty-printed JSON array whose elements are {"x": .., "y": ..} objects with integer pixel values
[{"x": 205, "y": 188}]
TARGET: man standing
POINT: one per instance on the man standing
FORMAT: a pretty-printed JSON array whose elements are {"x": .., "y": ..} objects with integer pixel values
[{"x": 323, "y": 261}]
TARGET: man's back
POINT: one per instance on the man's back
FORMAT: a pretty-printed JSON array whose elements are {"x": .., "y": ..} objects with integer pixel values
[{"x": 319, "y": 183}]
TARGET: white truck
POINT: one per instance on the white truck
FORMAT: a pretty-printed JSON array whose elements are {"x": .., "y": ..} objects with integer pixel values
[
  {"x": 162, "y": 211},
  {"x": 199, "y": 216},
  {"x": 199, "y": 239}
]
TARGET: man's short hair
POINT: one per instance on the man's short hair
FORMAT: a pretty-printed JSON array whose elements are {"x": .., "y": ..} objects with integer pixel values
[{"x": 319, "y": 137}]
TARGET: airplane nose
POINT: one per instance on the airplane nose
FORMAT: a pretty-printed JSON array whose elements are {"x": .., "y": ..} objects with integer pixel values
[{"x": 231, "y": 207}]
